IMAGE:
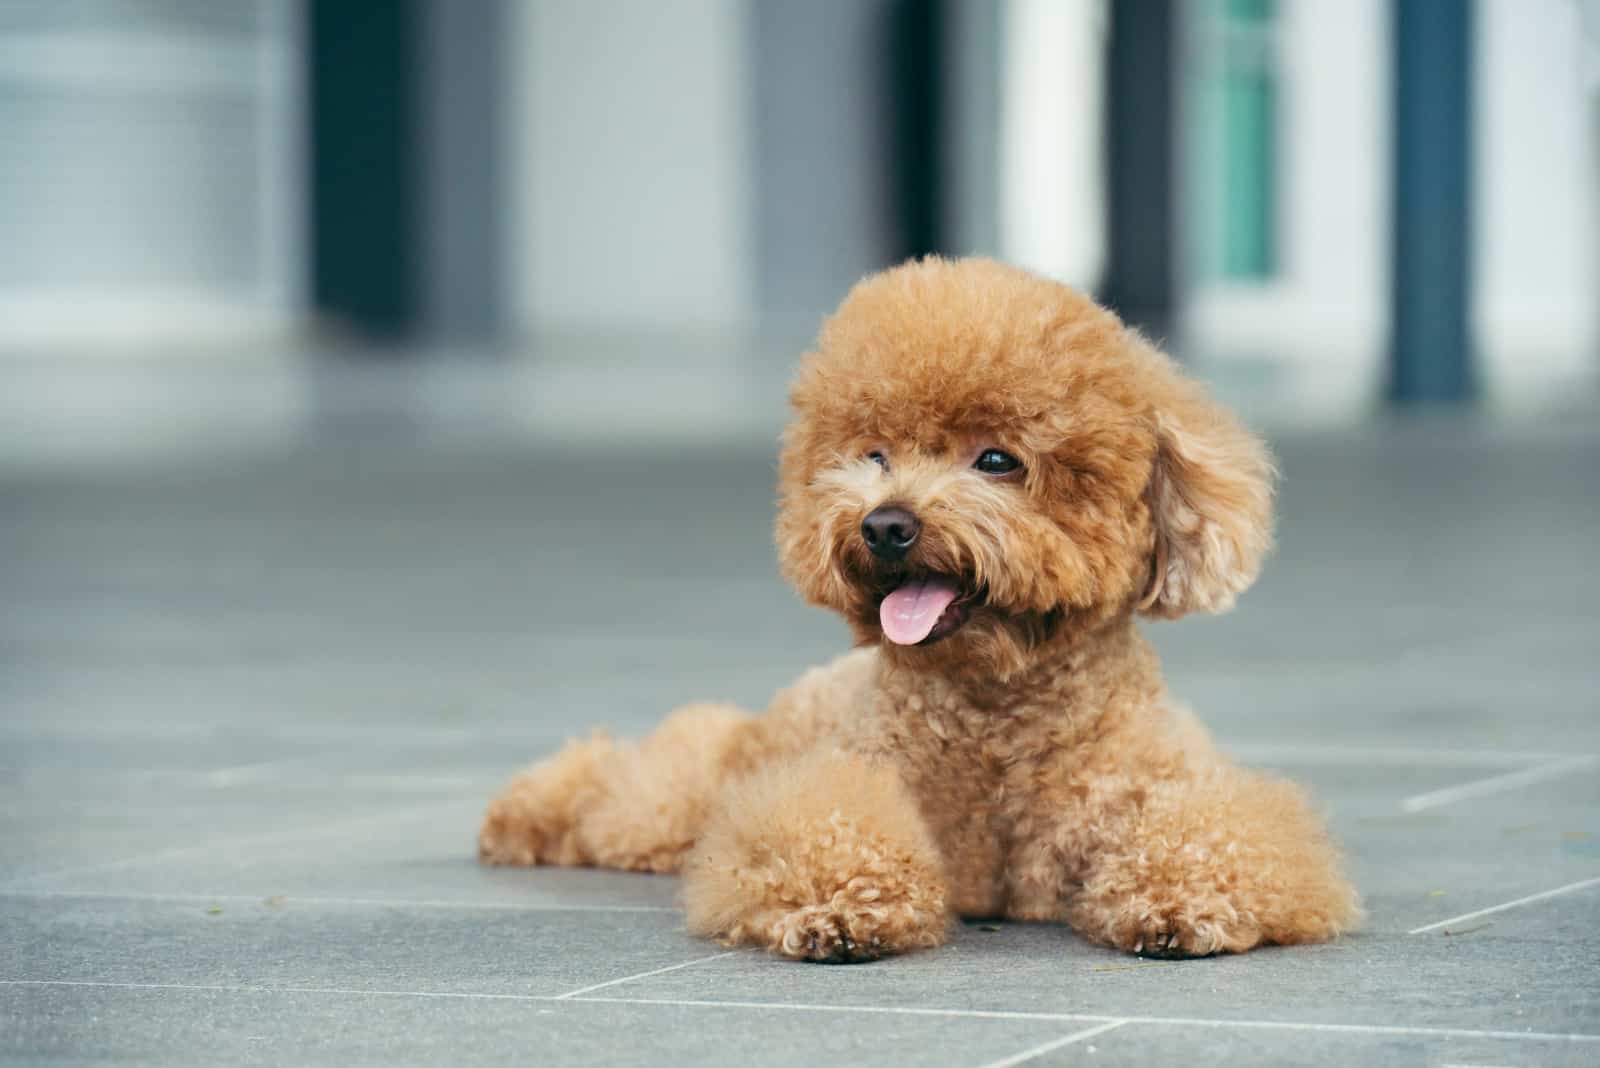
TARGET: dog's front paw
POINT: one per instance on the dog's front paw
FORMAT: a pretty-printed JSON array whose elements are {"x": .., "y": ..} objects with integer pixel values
[
  {"x": 1178, "y": 940},
  {"x": 1182, "y": 933},
  {"x": 862, "y": 922},
  {"x": 828, "y": 935}
]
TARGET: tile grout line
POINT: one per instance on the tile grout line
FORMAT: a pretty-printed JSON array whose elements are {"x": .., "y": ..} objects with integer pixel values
[
  {"x": 983, "y": 1014},
  {"x": 1168, "y": 1021},
  {"x": 1053, "y": 1045},
  {"x": 271, "y": 770},
  {"x": 1499, "y": 784},
  {"x": 1582, "y": 884},
  {"x": 1341, "y": 755},
  {"x": 225, "y": 844},
  {"x": 254, "y": 772},
  {"x": 642, "y": 975},
  {"x": 220, "y": 988},
  {"x": 290, "y": 900}
]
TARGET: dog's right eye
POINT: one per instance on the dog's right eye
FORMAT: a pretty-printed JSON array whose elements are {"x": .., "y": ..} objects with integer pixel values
[
  {"x": 879, "y": 458},
  {"x": 995, "y": 462}
]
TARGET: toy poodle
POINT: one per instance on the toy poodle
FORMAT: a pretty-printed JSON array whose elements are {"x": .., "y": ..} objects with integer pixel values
[{"x": 989, "y": 477}]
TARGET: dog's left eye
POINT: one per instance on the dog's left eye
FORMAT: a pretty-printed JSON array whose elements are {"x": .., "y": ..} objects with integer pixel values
[
  {"x": 879, "y": 458},
  {"x": 995, "y": 462}
]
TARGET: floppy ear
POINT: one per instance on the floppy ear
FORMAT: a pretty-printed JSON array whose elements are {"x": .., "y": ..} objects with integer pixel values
[{"x": 1210, "y": 500}]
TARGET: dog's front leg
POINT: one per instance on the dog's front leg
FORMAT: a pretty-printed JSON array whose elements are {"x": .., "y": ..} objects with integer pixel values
[
  {"x": 1217, "y": 861},
  {"x": 825, "y": 858}
]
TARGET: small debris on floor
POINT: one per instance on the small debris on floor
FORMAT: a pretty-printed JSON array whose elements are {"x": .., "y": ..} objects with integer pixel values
[
  {"x": 276, "y": 901},
  {"x": 1436, "y": 893},
  {"x": 214, "y": 910},
  {"x": 1469, "y": 930}
]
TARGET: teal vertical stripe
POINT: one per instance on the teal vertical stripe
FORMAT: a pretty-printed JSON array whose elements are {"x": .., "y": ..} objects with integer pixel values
[
  {"x": 1249, "y": 105},
  {"x": 1233, "y": 166},
  {"x": 1252, "y": 10}
]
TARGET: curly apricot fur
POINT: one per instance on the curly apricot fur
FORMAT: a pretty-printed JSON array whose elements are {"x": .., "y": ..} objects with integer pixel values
[{"x": 1031, "y": 764}]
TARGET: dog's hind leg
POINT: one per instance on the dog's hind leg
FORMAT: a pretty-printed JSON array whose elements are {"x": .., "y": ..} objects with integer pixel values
[
  {"x": 617, "y": 804},
  {"x": 823, "y": 857}
]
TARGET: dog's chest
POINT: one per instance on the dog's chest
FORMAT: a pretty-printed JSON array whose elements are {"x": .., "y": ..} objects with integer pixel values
[{"x": 958, "y": 762}]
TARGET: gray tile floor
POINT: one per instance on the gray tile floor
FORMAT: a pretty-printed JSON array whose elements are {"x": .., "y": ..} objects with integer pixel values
[{"x": 255, "y": 688}]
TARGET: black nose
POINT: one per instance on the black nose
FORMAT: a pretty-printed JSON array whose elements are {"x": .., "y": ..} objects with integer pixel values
[{"x": 890, "y": 531}]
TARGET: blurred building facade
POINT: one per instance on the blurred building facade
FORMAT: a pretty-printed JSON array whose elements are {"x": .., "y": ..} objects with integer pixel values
[{"x": 501, "y": 173}]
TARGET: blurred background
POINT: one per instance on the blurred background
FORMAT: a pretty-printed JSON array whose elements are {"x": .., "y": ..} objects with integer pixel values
[
  {"x": 623, "y": 219},
  {"x": 423, "y": 362}
]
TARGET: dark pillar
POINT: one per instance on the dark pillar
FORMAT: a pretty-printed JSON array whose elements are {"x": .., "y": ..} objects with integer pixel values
[
  {"x": 1140, "y": 143},
  {"x": 1431, "y": 351},
  {"x": 363, "y": 164},
  {"x": 916, "y": 64}
]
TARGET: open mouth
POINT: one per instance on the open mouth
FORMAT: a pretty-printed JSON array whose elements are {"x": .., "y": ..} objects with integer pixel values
[{"x": 924, "y": 608}]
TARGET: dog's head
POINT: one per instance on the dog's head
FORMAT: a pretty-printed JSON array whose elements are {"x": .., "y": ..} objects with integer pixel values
[{"x": 982, "y": 460}]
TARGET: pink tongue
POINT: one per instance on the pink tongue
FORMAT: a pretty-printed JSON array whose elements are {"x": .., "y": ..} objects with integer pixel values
[{"x": 910, "y": 612}]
